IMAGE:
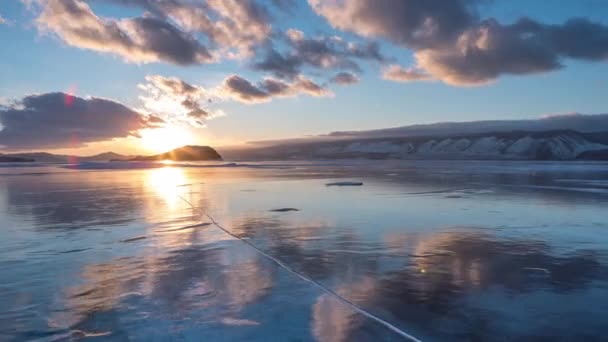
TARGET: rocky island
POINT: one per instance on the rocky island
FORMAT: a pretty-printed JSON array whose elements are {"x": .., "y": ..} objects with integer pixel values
[{"x": 186, "y": 153}]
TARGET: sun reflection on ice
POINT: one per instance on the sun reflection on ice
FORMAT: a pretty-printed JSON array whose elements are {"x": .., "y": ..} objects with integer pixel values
[{"x": 165, "y": 182}]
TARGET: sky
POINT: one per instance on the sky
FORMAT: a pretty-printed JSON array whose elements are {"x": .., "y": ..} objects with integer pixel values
[{"x": 139, "y": 76}]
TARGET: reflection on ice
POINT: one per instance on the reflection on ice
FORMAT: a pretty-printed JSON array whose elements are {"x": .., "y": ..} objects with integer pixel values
[
  {"x": 166, "y": 183},
  {"x": 213, "y": 283}
]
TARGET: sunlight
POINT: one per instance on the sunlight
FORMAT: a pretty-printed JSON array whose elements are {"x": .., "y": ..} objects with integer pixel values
[
  {"x": 165, "y": 139},
  {"x": 165, "y": 182}
]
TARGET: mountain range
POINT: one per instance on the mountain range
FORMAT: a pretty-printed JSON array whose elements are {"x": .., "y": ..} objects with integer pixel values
[
  {"x": 45, "y": 157},
  {"x": 517, "y": 145},
  {"x": 556, "y": 137}
]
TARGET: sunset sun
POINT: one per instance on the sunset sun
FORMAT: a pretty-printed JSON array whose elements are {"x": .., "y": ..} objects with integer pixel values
[{"x": 165, "y": 139}]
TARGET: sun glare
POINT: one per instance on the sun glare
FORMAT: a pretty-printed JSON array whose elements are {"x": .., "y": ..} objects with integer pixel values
[
  {"x": 166, "y": 183},
  {"x": 165, "y": 139}
]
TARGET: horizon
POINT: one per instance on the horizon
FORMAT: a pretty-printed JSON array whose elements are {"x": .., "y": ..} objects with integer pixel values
[
  {"x": 584, "y": 123},
  {"x": 301, "y": 69}
]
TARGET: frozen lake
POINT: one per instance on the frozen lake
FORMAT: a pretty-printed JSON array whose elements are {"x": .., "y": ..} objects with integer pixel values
[{"x": 434, "y": 250}]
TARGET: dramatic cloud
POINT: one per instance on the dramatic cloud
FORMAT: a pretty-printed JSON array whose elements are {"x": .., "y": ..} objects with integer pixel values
[
  {"x": 144, "y": 39},
  {"x": 484, "y": 53},
  {"x": 345, "y": 78},
  {"x": 448, "y": 39},
  {"x": 177, "y": 101},
  {"x": 234, "y": 27},
  {"x": 319, "y": 52},
  {"x": 412, "y": 23},
  {"x": 451, "y": 44},
  {"x": 166, "y": 32},
  {"x": 397, "y": 73},
  {"x": 55, "y": 120},
  {"x": 239, "y": 89}
]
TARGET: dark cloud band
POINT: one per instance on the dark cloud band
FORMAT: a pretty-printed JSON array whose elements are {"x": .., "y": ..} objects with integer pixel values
[{"x": 56, "y": 120}]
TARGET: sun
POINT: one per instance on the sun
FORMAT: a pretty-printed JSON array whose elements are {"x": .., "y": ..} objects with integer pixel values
[{"x": 165, "y": 139}]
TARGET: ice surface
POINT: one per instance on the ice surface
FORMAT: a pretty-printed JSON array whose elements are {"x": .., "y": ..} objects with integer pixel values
[{"x": 438, "y": 250}]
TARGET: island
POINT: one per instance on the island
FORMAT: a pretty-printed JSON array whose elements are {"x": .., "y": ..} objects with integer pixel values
[{"x": 186, "y": 153}]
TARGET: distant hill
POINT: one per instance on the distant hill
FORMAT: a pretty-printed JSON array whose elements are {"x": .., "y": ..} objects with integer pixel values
[
  {"x": 44, "y": 157},
  {"x": 11, "y": 159},
  {"x": 107, "y": 156},
  {"x": 186, "y": 153}
]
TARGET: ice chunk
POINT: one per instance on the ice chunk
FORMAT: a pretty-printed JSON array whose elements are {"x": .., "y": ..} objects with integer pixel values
[
  {"x": 284, "y": 210},
  {"x": 344, "y": 184}
]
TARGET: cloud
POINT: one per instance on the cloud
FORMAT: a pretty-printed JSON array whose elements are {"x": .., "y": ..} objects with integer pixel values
[
  {"x": 235, "y": 27},
  {"x": 177, "y": 101},
  {"x": 281, "y": 66},
  {"x": 139, "y": 40},
  {"x": 55, "y": 120},
  {"x": 453, "y": 45},
  {"x": 397, "y": 73},
  {"x": 328, "y": 53},
  {"x": 169, "y": 30},
  {"x": 2, "y": 20},
  {"x": 232, "y": 27},
  {"x": 239, "y": 89},
  {"x": 491, "y": 49},
  {"x": 345, "y": 78},
  {"x": 412, "y": 23}
]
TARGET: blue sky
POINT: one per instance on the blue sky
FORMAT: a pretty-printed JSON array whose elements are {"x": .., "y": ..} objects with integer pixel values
[{"x": 35, "y": 61}]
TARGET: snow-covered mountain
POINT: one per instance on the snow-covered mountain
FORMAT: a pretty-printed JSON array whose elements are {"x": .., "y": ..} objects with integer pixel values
[{"x": 548, "y": 145}]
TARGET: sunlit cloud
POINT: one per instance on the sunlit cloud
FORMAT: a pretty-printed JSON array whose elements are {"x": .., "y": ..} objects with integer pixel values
[
  {"x": 397, "y": 73},
  {"x": 180, "y": 102},
  {"x": 177, "y": 101},
  {"x": 232, "y": 28},
  {"x": 449, "y": 40},
  {"x": 345, "y": 78},
  {"x": 139, "y": 40},
  {"x": 167, "y": 31}
]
